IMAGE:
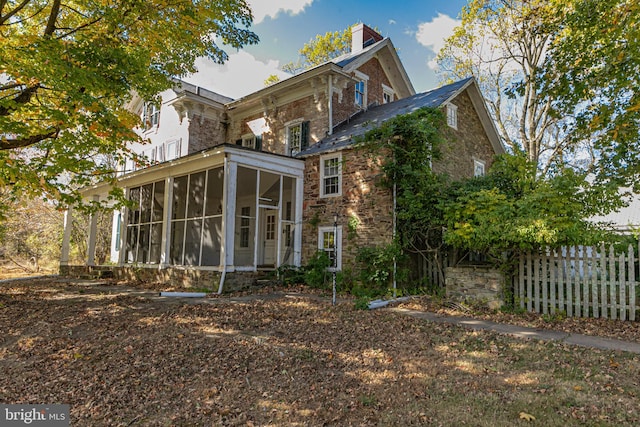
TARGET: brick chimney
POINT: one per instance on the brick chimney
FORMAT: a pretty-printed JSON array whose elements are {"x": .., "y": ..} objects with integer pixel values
[{"x": 363, "y": 36}]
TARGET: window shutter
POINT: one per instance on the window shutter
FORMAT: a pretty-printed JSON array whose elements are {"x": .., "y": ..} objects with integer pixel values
[
  {"x": 239, "y": 141},
  {"x": 258, "y": 142},
  {"x": 304, "y": 136}
]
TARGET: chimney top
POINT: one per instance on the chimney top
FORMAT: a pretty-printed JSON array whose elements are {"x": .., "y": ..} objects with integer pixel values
[{"x": 363, "y": 36}]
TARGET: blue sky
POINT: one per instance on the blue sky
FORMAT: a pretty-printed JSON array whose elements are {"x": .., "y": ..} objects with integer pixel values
[{"x": 417, "y": 29}]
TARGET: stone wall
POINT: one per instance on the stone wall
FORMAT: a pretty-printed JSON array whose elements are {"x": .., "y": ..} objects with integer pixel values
[
  {"x": 363, "y": 202},
  {"x": 464, "y": 145},
  {"x": 475, "y": 283},
  {"x": 175, "y": 277},
  {"x": 205, "y": 132}
]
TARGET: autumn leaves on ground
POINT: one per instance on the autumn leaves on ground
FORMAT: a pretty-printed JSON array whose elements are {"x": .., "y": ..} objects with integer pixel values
[{"x": 124, "y": 358}]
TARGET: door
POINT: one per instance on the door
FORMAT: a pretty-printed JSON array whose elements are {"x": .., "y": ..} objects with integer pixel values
[{"x": 269, "y": 244}]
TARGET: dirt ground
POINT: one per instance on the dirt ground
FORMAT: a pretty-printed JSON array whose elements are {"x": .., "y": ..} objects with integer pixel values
[{"x": 122, "y": 356}]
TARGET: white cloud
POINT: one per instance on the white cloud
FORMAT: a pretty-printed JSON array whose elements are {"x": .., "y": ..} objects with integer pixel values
[
  {"x": 263, "y": 8},
  {"x": 241, "y": 75},
  {"x": 433, "y": 34}
]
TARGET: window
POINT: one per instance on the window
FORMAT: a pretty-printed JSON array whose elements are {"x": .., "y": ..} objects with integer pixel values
[
  {"x": 245, "y": 226},
  {"x": 360, "y": 94},
  {"x": 327, "y": 240},
  {"x": 250, "y": 141},
  {"x": 196, "y": 219},
  {"x": 297, "y": 137},
  {"x": 172, "y": 149},
  {"x": 361, "y": 89},
  {"x": 150, "y": 115},
  {"x": 144, "y": 225},
  {"x": 388, "y": 94},
  {"x": 478, "y": 168},
  {"x": 452, "y": 116},
  {"x": 331, "y": 175}
]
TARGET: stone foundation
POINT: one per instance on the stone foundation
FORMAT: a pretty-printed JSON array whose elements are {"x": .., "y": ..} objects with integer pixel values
[
  {"x": 177, "y": 277},
  {"x": 475, "y": 283}
]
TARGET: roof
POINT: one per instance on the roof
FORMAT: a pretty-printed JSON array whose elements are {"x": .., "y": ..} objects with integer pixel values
[{"x": 344, "y": 134}]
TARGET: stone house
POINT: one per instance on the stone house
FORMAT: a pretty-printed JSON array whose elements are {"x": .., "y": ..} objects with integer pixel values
[{"x": 235, "y": 187}]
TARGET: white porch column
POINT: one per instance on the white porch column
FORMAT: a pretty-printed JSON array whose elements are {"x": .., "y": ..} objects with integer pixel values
[
  {"x": 229, "y": 213},
  {"x": 93, "y": 231},
  {"x": 166, "y": 223},
  {"x": 297, "y": 235},
  {"x": 66, "y": 237}
]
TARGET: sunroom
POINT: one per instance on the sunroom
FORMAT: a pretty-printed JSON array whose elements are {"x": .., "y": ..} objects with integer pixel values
[{"x": 224, "y": 209}]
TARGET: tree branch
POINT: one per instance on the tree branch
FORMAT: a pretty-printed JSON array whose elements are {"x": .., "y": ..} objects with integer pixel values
[
  {"x": 10, "y": 144},
  {"x": 53, "y": 17},
  {"x": 23, "y": 98},
  {"x": 18, "y": 8}
]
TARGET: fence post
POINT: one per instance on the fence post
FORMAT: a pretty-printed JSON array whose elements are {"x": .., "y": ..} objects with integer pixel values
[
  {"x": 594, "y": 281},
  {"x": 544, "y": 259},
  {"x": 521, "y": 280},
  {"x": 552, "y": 280},
  {"x": 529, "y": 280},
  {"x": 612, "y": 284},
  {"x": 632, "y": 284},
  {"x": 623, "y": 284},
  {"x": 604, "y": 282}
]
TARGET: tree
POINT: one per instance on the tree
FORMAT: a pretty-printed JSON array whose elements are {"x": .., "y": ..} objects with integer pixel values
[
  {"x": 321, "y": 49},
  {"x": 68, "y": 69},
  {"x": 503, "y": 44},
  {"x": 593, "y": 74},
  {"x": 512, "y": 210}
]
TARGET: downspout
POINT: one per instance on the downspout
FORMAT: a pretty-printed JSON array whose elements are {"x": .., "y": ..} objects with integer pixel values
[
  {"x": 395, "y": 262},
  {"x": 330, "y": 104},
  {"x": 223, "y": 249}
]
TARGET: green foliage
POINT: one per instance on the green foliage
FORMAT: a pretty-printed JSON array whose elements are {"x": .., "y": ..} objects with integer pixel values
[
  {"x": 352, "y": 227},
  {"x": 593, "y": 75},
  {"x": 271, "y": 80},
  {"x": 375, "y": 266},
  {"x": 512, "y": 210},
  {"x": 323, "y": 48},
  {"x": 290, "y": 275},
  {"x": 412, "y": 141},
  {"x": 315, "y": 272},
  {"x": 69, "y": 70}
]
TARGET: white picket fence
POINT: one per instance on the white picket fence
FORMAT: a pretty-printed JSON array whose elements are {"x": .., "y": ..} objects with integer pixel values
[{"x": 580, "y": 281}]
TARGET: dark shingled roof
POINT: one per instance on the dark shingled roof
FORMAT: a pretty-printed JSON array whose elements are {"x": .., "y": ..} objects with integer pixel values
[{"x": 344, "y": 134}]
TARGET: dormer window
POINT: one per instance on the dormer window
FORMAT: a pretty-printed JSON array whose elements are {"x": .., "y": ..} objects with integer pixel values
[
  {"x": 388, "y": 94},
  {"x": 150, "y": 115},
  {"x": 452, "y": 116},
  {"x": 360, "y": 89},
  {"x": 251, "y": 141}
]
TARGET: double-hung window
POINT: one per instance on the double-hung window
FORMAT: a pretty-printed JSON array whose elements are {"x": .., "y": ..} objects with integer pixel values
[
  {"x": 297, "y": 137},
  {"x": 360, "y": 89},
  {"x": 331, "y": 175},
  {"x": 150, "y": 115},
  {"x": 329, "y": 241},
  {"x": 452, "y": 116}
]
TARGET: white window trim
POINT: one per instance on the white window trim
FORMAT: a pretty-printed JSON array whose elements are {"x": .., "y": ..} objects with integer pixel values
[
  {"x": 249, "y": 141},
  {"x": 147, "y": 118},
  {"x": 452, "y": 116},
  {"x": 287, "y": 125},
  {"x": 322, "y": 176},
  {"x": 478, "y": 164},
  {"x": 338, "y": 240},
  {"x": 386, "y": 90},
  {"x": 361, "y": 77},
  {"x": 178, "y": 149}
]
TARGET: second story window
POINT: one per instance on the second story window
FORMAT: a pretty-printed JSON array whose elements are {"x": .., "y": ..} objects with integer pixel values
[
  {"x": 452, "y": 116},
  {"x": 297, "y": 137},
  {"x": 150, "y": 115},
  {"x": 330, "y": 175},
  {"x": 360, "y": 94},
  {"x": 388, "y": 94},
  {"x": 360, "y": 89},
  {"x": 478, "y": 168},
  {"x": 251, "y": 141}
]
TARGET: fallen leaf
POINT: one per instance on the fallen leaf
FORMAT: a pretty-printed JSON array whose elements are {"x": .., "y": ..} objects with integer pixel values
[{"x": 526, "y": 417}]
